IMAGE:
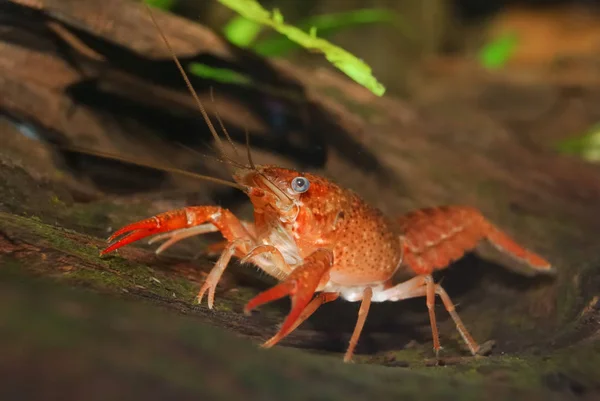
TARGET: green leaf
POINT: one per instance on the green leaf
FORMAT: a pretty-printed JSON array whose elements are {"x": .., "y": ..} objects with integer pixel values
[
  {"x": 222, "y": 75},
  {"x": 326, "y": 25},
  {"x": 586, "y": 146},
  {"x": 343, "y": 60},
  {"x": 241, "y": 31},
  {"x": 496, "y": 53},
  {"x": 162, "y": 4}
]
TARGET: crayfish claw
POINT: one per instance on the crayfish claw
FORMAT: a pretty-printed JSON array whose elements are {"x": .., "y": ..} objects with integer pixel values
[{"x": 300, "y": 286}]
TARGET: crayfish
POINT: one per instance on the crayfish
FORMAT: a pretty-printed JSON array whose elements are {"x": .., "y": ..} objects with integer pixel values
[{"x": 323, "y": 242}]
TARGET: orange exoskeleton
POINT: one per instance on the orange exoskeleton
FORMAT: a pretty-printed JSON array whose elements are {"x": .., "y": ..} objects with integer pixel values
[{"x": 316, "y": 237}]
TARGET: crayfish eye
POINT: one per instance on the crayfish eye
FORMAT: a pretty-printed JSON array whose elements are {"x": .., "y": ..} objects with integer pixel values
[{"x": 300, "y": 184}]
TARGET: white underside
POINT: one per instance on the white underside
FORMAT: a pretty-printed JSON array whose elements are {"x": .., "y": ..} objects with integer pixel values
[
  {"x": 414, "y": 287},
  {"x": 283, "y": 241},
  {"x": 355, "y": 294}
]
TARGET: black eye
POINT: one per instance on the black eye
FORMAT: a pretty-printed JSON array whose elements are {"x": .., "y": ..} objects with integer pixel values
[{"x": 300, "y": 184}]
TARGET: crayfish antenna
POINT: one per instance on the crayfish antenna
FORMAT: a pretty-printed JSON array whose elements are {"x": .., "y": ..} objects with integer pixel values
[
  {"x": 229, "y": 161},
  {"x": 191, "y": 89},
  {"x": 249, "y": 153},
  {"x": 153, "y": 166},
  {"x": 201, "y": 106},
  {"x": 220, "y": 120}
]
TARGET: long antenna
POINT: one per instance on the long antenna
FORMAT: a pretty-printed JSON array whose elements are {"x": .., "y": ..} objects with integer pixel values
[
  {"x": 154, "y": 166},
  {"x": 199, "y": 103},
  {"x": 248, "y": 149},
  {"x": 188, "y": 84},
  {"x": 212, "y": 98},
  {"x": 230, "y": 162}
]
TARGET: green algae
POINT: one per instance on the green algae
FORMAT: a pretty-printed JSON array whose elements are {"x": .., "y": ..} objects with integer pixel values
[
  {"x": 117, "y": 339},
  {"x": 111, "y": 272}
]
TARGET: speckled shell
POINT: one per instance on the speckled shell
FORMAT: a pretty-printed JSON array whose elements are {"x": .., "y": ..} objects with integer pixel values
[
  {"x": 435, "y": 237},
  {"x": 368, "y": 247},
  {"x": 365, "y": 243}
]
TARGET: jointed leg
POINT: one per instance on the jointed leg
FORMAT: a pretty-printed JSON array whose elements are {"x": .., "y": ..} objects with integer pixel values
[
  {"x": 183, "y": 233},
  {"x": 430, "y": 300},
  {"x": 281, "y": 270},
  {"x": 215, "y": 274},
  {"x": 214, "y": 248},
  {"x": 360, "y": 323},
  {"x": 424, "y": 286},
  {"x": 471, "y": 343}
]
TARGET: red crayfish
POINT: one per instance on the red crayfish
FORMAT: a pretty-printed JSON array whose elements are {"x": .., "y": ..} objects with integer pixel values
[{"x": 316, "y": 237}]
